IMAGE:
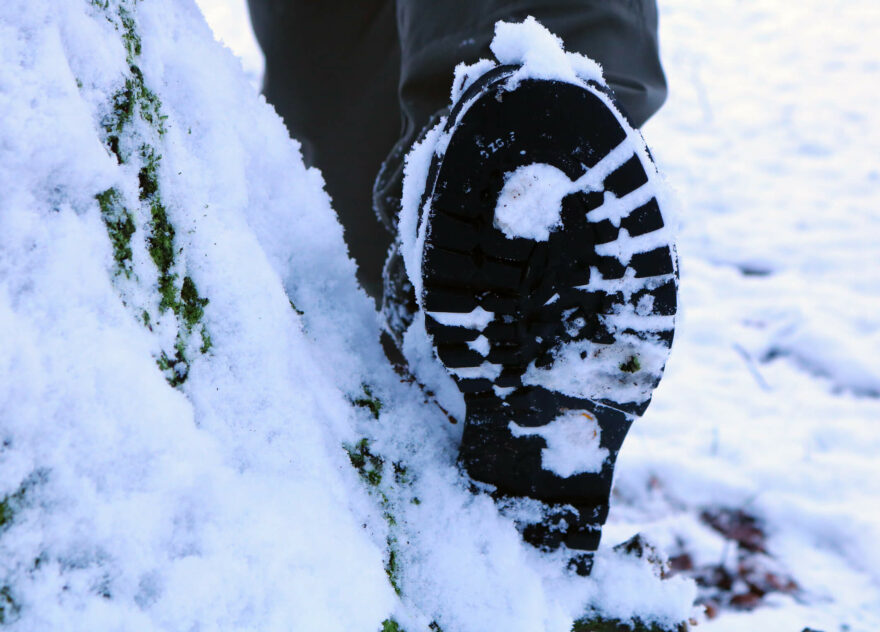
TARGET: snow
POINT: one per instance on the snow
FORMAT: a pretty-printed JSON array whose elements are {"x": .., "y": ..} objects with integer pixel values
[
  {"x": 466, "y": 74},
  {"x": 572, "y": 443},
  {"x": 591, "y": 370},
  {"x": 530, "y": 202},
  {"x": 540, "y": 54},
  {"x": 229, "y": 502},
  {"x": 480, "y": 344},
  {"x": 411, "y": 229},
  {"x": 478, "y": 319}
]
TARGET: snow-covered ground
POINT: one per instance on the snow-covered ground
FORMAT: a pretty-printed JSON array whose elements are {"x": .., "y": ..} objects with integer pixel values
[{"x": 229, "y": 502}]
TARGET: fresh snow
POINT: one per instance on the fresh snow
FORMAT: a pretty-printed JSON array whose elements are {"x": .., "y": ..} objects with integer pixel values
[
  {"x": 540, "y": 54},
  {"x": 530, "y": 202},
  {"x": 572, "y": 443},
  {"x": 229, "y": 502}
]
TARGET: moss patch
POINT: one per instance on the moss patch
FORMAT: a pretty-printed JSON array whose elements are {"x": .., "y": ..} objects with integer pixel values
[
  {"x": 392, "y": 567},
  {"x": 207, "y": 341},
  {"x": 368, "y": 401},
  {"x": 600, "y": 624},
  {"x": 390, "y": 625},
  {"x": 137, "y": 146},
  {"x": 192, "y": 306},
  {"x": 370, "y": 468},
  {"x": 175, "y": 367},
  {"x": 132, "y": 99},
  {"x": 120, "y": 227},
  {"x": 130, "y": 37},
  {"x": 368, "y": 465}
]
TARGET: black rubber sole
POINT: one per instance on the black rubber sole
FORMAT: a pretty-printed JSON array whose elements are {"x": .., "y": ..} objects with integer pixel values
[{"x": 501, "y": 311}]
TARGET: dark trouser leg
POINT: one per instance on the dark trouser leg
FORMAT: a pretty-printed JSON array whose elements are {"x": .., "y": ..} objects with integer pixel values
[{"x": 332, "y": 73}]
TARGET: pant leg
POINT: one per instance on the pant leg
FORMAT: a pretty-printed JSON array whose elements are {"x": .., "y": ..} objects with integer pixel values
[{"x": 332, "y": 71}]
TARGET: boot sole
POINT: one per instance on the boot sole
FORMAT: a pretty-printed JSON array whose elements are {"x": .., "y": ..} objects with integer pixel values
[{"x": 519, "y": 323}]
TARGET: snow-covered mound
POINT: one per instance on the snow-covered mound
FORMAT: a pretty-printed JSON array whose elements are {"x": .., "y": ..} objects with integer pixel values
[{"x": 198, "y": 428}]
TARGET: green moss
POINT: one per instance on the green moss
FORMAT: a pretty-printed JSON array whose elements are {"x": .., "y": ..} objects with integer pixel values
[
  {"x": 130, "y": 38},
  {"x": 600, "y": 624},
  {"x": 160, "y": 244},
  {"x": 296, "y": 309},
  {"x": 435, "y": 627},
  {"x": 632, "y": 365},
  {"x": 369, "y": 401},
  {"x": 401, "y": 474},
  {"x": 135, "y": 100},
  {"x": 392, "y": 569},
  {"x": 120, "y": 227},
  {"x": 123, "y": 111},
  {"x": 192, "y": 305},
  {"x": 167, "y": 292},
  {"x": 390, "y": 625},
  {"x": 207, "y": 343},
  {"x": 368, "y": 465},
  {"x": 185, "y": 301},
  {"x": 175, "y": 368},
  {"x": 148, "y": 183}
]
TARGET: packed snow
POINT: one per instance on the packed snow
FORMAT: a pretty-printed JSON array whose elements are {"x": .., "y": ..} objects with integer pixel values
[
  {"x": 572, "y": 443},
  {"x": 230, "y": 501},
  {"x": 530, "y": 202}
]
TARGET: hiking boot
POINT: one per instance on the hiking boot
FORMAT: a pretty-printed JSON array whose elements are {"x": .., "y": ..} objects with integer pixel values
[{"x": 546, "y": 273}]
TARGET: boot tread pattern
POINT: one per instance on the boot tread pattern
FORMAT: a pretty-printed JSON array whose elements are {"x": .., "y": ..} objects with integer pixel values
[{"x": 593, "y": 284}]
